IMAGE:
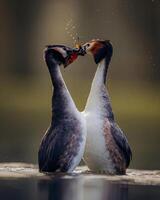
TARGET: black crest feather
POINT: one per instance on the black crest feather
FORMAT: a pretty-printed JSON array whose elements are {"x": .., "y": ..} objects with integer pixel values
[{"x": 106, "y": 50}]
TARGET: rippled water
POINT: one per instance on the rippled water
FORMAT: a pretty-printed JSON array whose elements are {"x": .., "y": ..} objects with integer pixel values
[{"x": 77, "y": 188}]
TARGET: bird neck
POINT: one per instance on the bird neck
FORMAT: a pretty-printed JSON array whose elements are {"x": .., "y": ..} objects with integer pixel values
[
  {"x": 62, "y": 103},
  {"x": 105, "y": 66},
  {"x": 101, "y": 73},
  {"x": 55, "y": 73},
  {"x": 98, "y": 89}
]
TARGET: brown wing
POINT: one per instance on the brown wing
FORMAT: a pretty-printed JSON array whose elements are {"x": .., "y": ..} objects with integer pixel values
[
  {"x": 117, "y": 157},
  {"x": 59, "y": 147}
]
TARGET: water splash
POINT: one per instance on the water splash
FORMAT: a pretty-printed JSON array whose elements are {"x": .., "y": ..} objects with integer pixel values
[{"x": 71, "y": 31}]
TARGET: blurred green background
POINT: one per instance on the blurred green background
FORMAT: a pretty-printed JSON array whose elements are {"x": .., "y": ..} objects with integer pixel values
[{"x": 134, "y": 75}]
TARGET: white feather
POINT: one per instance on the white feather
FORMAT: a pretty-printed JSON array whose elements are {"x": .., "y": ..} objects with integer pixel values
[{"x": 96, "y": 155}]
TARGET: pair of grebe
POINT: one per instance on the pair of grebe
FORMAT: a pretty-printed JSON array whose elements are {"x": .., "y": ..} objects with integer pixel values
[{"x": 92, "y": 134}]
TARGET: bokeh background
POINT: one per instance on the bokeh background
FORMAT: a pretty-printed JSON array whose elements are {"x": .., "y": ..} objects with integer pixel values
[{"x": 134, "y": 75}]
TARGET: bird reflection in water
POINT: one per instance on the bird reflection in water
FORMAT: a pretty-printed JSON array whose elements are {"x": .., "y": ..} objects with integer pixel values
[
  {"x": 79, "y": 188},
  {"x": 104, "y": 190},
  {"x": 61, "y": 189}
]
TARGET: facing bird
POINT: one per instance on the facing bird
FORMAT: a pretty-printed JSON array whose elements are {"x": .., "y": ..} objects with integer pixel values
[
  {"x": 107, "y": 149},
  {"x": 62, "y": 146}
]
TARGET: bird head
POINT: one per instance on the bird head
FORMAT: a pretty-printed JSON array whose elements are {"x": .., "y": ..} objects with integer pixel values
[
  {"x": 62, "y": 55},
  {"x": 99, "y": 49}
]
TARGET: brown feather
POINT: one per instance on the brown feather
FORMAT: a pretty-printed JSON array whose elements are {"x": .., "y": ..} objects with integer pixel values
[{"x": 112, "y": 147}]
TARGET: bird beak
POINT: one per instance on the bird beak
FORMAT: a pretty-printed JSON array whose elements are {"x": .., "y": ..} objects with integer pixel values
[
  {"x": 73, "y": 55},
  {"x": 85, "y": 48},
  {"x": 80, "y": 51}
]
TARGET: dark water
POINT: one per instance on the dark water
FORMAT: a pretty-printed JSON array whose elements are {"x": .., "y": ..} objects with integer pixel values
[{"x": 77, "y": 188}]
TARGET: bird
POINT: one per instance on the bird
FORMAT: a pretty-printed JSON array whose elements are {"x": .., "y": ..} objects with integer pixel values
[
  {"x": 107, "y": 149},
  {"x": 62, "y": 146}
]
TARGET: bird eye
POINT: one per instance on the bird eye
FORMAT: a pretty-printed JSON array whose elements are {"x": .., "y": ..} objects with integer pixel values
[{"x": 87, "y": 45}]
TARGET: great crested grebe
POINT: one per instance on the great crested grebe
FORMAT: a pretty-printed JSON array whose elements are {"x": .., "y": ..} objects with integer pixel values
[
  {"x": 107, "y": 149},
  {"x": 62, "y": 146}
]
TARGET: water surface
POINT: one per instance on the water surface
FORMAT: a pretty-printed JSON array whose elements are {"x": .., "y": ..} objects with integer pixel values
[{"x": 76, "y": 188}]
